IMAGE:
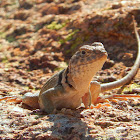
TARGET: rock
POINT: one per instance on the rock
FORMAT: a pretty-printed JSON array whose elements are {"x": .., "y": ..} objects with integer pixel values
[
  {"x": 47, "y": 9},
  {"x": 127, "y": 56},
  {"x": 116, "y": 5},
  {"x": 26, "y": 4},
  {"x": 107, "y": 79},
  {"x": 21, "y": 15},
  {"x": 109, "y": 63},
  {"x": 43, "y": 61}
]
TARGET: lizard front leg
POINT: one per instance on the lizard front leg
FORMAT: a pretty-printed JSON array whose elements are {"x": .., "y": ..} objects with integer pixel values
[
  {"x": 92, "y": 95},
  {"x": 94, "y": 89}
]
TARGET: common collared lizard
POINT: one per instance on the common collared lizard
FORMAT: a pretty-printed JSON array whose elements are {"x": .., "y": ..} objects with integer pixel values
[{"x": 72, "y": 86}]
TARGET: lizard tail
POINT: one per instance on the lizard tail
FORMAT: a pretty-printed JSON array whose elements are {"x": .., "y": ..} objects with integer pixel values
[{"x": 131, "y": 74}]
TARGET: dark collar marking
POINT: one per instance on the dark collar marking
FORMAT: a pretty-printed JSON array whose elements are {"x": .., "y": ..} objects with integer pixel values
[
  {"x": 66, "y": 72},
  {"x": 60, "y": 78}
]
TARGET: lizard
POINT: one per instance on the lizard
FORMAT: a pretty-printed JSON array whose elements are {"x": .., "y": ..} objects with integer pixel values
[{"x": 73, "y": 85}]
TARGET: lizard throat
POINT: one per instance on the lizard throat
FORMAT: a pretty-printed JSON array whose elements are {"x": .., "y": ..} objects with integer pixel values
[{"x": 81, "y": 75}]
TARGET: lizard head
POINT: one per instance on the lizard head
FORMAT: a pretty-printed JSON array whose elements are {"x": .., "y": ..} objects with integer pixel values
[
  {"x": 88, "y": 60},
  {"x": 92, "y": 53},
  {"x": 89, "y": 54}
]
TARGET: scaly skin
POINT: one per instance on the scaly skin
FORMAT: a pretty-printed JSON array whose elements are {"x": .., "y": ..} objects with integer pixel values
[{"x": 66, "y": 89}]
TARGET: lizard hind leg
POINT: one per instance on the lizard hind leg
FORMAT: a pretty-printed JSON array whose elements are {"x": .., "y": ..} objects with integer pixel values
[{"x": 46, "y": 100}]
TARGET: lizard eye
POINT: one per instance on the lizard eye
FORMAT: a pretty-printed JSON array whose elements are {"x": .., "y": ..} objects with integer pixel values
[{"x": 83, "y": 52}]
